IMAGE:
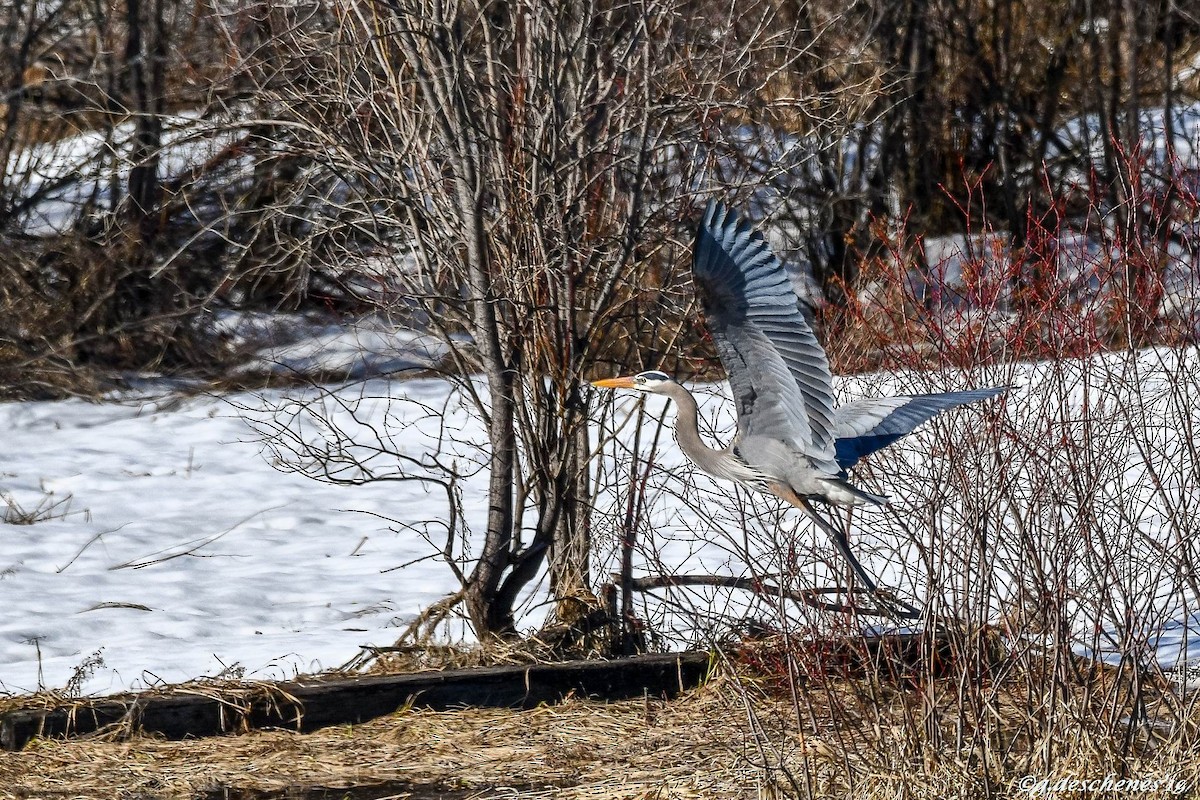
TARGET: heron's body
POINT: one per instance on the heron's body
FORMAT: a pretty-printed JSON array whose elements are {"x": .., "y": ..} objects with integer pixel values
[
  {"x": 760, "y": 462},
  {"x": 791, "y": 441}
]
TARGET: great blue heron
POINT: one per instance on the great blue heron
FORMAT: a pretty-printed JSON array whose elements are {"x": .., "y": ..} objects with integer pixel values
[{"x": 791, "y": 441}]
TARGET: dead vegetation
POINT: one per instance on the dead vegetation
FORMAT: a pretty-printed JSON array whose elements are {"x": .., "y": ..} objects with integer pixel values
[
  {"x": 634, "y": 749},
  {"x": 744, "y": 735}
]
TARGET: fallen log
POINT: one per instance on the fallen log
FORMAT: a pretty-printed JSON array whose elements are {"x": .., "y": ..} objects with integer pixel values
[{"x": 311, "y": 703}]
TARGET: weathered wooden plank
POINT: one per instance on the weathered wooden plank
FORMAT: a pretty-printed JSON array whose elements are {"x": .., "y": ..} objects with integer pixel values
[{"x": 309, "y": 704}]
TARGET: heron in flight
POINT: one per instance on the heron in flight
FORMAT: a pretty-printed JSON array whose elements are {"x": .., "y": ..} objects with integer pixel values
[{"x": 791, "y": 441}]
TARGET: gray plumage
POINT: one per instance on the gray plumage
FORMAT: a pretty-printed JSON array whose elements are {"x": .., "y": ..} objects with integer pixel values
[
  {"x": 865, "y": 426},
  {"x": 791, "y": 441}
]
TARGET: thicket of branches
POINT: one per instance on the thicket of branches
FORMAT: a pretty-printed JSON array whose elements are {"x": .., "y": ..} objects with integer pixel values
[
  {"x": 937, "y": 113},
  {"x": 1051, "y": 538}
]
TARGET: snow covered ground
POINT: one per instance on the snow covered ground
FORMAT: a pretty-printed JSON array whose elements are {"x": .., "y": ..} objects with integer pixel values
[
  {"x": 324, "y": 346},
  {"x": 173, "y": 549},
  {"x": 183, "y": 552}
]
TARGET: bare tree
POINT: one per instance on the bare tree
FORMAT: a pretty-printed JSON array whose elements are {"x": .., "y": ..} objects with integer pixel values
[{"x": 525, "y": 170}]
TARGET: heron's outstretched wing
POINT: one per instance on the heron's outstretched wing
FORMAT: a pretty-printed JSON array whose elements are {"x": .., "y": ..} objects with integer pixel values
[
  {"x": 865, "y": 426},
  {"x": 778, "y": 371}
]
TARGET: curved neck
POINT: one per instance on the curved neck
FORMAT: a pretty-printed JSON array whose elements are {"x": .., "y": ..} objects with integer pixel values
[{"x": 687, "y": 429}]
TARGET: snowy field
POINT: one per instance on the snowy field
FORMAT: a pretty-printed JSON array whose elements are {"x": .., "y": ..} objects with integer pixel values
[
  {"x": 168, "y": 548},
  {"x": 178, "y": 551}
]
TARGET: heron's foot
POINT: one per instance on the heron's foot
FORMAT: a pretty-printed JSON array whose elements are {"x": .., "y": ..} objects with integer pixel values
[{"x": 875, "y": 602}]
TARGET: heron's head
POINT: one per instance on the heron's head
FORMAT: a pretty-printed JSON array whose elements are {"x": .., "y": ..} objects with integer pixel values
[{"x": 649, "y": 381}]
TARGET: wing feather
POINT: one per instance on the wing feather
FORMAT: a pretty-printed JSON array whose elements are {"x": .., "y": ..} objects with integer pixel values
[
  {"x": 865, "y": 426},
  {"x": 776, "y": 367}
]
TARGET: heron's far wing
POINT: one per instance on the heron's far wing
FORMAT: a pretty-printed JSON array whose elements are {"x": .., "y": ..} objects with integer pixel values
[
  {"x": 777, "y": 369},
  {"x": 865, "y": 426}
]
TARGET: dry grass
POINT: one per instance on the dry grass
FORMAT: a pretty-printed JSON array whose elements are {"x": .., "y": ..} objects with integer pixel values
[
  {"x": 633, "y": 749},
  {"x": 744, "y": 735}
]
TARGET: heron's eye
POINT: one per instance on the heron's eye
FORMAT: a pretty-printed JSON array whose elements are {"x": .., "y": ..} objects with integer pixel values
[{"x": 640, "y": 379}]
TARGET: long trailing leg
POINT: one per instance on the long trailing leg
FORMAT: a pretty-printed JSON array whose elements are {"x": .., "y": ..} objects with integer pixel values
[
  {"x": 785, "y": 492},
  {"x": 843, "y": 543},
  {"x": 889, "y": 604}
]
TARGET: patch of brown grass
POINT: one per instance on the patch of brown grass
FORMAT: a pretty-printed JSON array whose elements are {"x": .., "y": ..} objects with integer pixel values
[
  {"x": 633, "y": 749},
  {"x": 423, "y": 656},
  {"x": 914, "y": 735},
  {"x": 745, "y": 734}
]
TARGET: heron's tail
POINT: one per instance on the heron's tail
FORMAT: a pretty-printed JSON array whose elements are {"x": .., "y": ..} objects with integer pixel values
[{"x": 841, "y": 492}]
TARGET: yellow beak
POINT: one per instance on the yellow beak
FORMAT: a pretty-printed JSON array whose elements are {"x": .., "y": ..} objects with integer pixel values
[{"x": 615, "y": 383}]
